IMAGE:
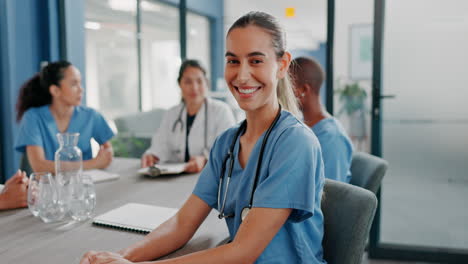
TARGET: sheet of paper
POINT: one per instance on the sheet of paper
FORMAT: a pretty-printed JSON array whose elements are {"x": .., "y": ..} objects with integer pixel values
[{"x": 100, "y": 175}]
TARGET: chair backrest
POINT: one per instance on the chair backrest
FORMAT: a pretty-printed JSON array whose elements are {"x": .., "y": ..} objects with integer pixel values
[
  {"x": 143, "y": 124},
  {"x": 348, "y": 213},
  {"x": 367, "y": 171},
  {"x": 24, "y": 164}
]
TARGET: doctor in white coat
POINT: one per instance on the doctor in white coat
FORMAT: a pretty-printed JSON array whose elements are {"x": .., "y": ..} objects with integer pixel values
[{"x": 188, "y": 130}]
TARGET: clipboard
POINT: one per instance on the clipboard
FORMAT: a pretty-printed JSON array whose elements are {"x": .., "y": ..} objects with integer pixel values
[{"x": 162, "y": 169}]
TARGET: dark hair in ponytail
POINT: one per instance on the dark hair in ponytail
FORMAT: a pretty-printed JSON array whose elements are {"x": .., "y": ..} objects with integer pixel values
[{"x": 35, "y": 92}]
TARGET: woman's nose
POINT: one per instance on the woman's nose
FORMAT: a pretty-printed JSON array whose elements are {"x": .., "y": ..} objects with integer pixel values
[{"x": 244, "y": 72}]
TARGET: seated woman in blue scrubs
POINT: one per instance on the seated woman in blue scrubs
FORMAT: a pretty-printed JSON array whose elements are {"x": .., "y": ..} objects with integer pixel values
[
  {"x": 337, "y": 149},
  {"x": 49, "y": 103},
  {"x": 281, "y": 220}
]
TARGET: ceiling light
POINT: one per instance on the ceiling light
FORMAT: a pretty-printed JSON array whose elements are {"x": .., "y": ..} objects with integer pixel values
[
  {"x": 122, "y": 5},
  {"x": 290, "y": 12},
  {"x": 92, "y": 25}
]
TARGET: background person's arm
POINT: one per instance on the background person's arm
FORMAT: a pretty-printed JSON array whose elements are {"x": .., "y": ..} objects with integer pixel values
[
  {"x": 39, "y": 163},
  {"x": 102, "y": 160},
  {"x": 37, "y": 160},
  {"x": 195, "y": 164}
]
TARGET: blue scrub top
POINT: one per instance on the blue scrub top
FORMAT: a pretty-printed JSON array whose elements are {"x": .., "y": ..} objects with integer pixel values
[
  {"x": 291, "y": 177},
  {"x": 337, "y": 149},
  {"x": 38, "y": 128}
]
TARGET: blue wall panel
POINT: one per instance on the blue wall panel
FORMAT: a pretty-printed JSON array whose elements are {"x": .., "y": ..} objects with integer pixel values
[
  {"x": 214, "y": 10},
  {"x": 26, "y": 40},
  {"x": 73, "y": 41}
]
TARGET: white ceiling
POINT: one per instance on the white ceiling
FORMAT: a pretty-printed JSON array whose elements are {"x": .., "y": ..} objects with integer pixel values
[{"x": 304, "y": 31}]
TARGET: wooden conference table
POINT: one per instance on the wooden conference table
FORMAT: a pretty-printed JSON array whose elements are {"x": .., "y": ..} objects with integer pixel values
[{"x": 26, "y": 239}]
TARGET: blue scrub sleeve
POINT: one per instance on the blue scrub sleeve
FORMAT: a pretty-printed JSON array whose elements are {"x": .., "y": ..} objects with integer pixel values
[
  {"x": 101, "y": 129},
  {"x": 337, "y": 153},
  {"x": 29, "y": 132},
  {"x": 208, "y": 182},
  {"x": 292, "y": 174}
]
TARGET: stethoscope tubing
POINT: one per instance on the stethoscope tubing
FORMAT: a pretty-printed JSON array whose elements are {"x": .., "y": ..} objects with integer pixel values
[
  {"x": 230, "y": 156},
  {"x": 179, "y": 121}
]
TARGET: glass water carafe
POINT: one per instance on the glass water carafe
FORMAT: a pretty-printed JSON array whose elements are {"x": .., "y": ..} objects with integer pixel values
[{"x": 68, "y": 166}]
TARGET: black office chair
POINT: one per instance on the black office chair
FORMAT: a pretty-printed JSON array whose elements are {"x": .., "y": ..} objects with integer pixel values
[
  {"x": 367, "y": 171},
  {"x": 348, "y": 213},
  {"x": 24, "y": 164}
]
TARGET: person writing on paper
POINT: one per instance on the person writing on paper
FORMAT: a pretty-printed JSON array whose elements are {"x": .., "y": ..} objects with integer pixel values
[
  {"x": 337, "y": 149},
  {"x": 264, "y": 176},
  {"x": 188, "y": 130},
  {"x": 15, "y": 192},
  {"x": 49, "y": 103}
]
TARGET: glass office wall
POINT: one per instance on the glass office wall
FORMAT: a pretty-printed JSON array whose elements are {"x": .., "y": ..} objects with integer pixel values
[
  {"x": 111, "y": 57},
  {"x": 198, "y": 39},
  {"x": 113, "y": 53},
  {"x": 353, "y": 68},
  {"x": 160, "y": 55},
  {"x": 425, "y": 126}
]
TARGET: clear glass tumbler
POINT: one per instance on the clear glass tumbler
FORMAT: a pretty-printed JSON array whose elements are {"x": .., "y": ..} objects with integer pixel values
[
  {"x": 83, "y": 198},
  {"x": 33, "y": 191},
  {"x": 51, "y": 208}
]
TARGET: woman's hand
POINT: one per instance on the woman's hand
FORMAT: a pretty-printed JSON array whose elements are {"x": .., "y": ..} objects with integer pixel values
[
  {"x": 195, "y": 164},
  {"x": 95, "y": 257},
  {"x": 15, "y": 192},
  {"x": 148, "y": 160}
]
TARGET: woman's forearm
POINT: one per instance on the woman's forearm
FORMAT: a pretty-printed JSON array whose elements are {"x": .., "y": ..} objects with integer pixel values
[
  {"x": 166, "y": 238},
  {"x": 229, "y": 253},
  {"x": 43, "y": 166}
]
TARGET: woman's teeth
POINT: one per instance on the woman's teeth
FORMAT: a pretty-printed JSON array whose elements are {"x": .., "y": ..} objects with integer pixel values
[{"x": 248, "y": 91}]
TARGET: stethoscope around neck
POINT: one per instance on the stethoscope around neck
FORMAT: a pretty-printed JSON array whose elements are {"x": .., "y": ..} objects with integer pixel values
[
  {"x": 205, "y": 135},
  {"x": 230, "y": 156}
]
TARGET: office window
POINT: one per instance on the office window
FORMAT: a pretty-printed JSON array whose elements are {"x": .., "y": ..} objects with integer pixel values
[
  {"x": 198, "y": 39},
  {"x": 160, "y": 55},
  {"x": 111, "y": 57},
  {"x": 113, "y": 54}
]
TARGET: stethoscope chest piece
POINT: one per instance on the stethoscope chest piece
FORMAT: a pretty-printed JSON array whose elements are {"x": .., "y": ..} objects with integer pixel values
[{"x": 245, "y": 211}]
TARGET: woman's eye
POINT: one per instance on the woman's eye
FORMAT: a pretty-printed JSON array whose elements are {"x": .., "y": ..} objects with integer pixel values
[
  {"x": 232, "y": 61},
  {"x": 256, "y": 61}
]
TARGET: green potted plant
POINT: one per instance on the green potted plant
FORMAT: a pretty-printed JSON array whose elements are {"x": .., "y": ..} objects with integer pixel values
[{"x": 352, "y": 97}]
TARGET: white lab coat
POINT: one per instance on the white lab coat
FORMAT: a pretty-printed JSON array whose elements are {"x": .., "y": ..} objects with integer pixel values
[{"x": 169, "y": 145}]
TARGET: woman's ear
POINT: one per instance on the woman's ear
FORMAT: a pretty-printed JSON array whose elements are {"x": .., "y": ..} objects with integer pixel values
[
  {"x": 284, "y": 63},
  {"x": 54, "y": 90}
]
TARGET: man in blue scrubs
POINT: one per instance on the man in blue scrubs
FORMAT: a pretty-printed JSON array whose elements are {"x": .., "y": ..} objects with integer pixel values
[{"x": 337, "y": 148}]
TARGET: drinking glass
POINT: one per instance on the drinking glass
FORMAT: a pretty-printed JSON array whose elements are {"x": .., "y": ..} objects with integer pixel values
[
  {"x": 33, "y": 191},
  {"x": 83, "y": 198},
  {"x": 51, "y": 208}
]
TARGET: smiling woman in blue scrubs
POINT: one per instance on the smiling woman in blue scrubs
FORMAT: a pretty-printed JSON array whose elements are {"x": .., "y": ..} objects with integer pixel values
[
  {"x": 49, "y": 103},
  {"x": 273, "y": 153}
]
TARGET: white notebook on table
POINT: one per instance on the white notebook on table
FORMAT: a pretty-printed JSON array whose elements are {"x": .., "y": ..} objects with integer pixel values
[{"x": 135, "y": 217}]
